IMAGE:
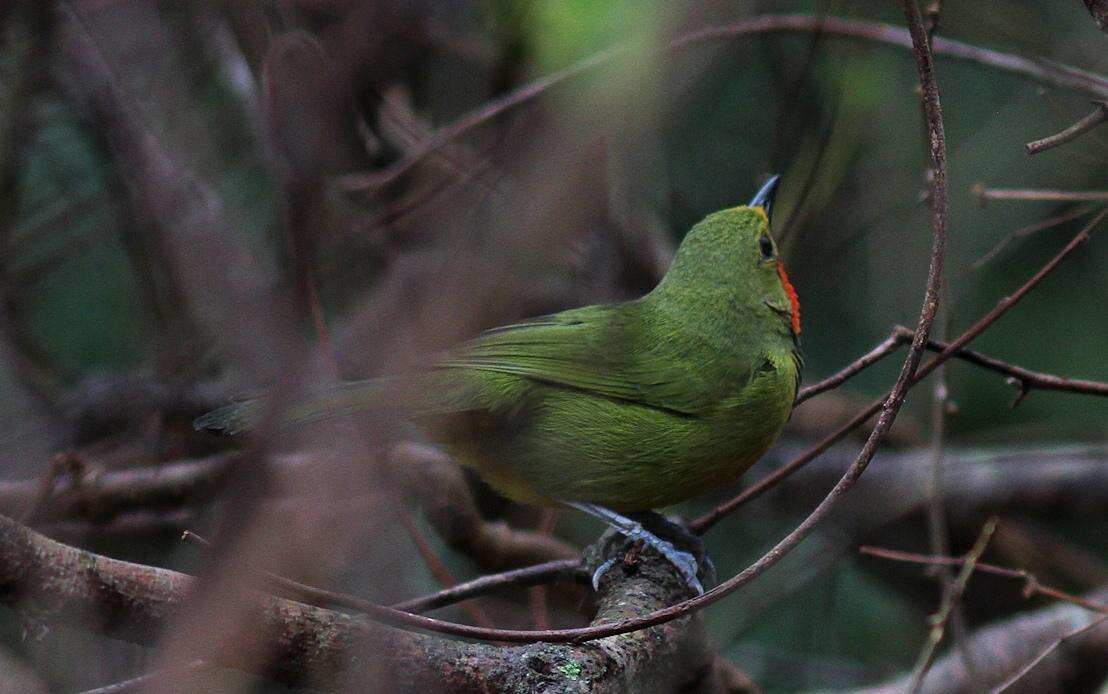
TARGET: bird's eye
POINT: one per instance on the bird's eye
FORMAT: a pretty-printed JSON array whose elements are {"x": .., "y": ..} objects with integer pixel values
[{"x": 766, "y": 246}]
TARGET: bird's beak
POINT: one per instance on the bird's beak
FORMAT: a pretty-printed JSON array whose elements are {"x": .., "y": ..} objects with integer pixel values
[{"x": 764, "y": 197}]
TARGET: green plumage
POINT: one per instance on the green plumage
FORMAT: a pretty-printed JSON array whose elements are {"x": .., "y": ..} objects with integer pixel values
[{"x": 630, "y": 406}]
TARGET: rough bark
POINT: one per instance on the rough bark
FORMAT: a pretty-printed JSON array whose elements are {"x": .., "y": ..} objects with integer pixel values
[{"x": 49, "y": 583}]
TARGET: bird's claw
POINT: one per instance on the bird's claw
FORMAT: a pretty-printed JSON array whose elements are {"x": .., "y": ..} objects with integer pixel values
[
  {"x": 649, "y": 528},
  {"x": 685, "y": 562},
  {"x": 600, "y": 571}
]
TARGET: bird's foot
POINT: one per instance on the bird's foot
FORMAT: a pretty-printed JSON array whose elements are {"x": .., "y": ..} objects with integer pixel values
[
  {"x": 663, "y": 536},
  {"x": 685, "y": 562}
]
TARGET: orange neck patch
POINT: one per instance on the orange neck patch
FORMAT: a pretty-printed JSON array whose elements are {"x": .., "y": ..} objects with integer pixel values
[{"x": 791, "y": 293}]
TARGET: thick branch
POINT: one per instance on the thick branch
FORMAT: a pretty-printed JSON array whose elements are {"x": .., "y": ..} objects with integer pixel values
[
  {"x": 102, "y": 498},
  {"x": 439, "y": 486},
  {"x": 298, "y": 644}
]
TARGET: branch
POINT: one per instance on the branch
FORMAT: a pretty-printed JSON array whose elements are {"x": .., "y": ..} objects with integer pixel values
[
  {"x": 297, "y": 644},
  {"x": 900, "y": 335},
  {"x": 517, "y": 578},
  {"x": 1026, "y": 379},
  {"x": 950, "y": 599},
  {"x": 561, "y": 569},
  {"x": 102, "y": 498},
  {"x": 1047, "y": 73},
  {"x": 1018, "y": 675},
  {"x": 1006, "y": 648},
  {"x": 439, "y": 486},
  {"x": 1032, "y": 586},
  {"x": 1076, "y": 130},
  {"x": 985, "y": 194},
  {"x": 1068, "y": 215}
]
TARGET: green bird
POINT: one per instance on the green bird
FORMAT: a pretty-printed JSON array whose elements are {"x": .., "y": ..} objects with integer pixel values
[{"x": 622, "y": 408}]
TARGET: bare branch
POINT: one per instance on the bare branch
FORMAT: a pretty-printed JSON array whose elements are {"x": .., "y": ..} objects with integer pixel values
[
  {"x": 1068, "y": 215},
  {"x": 1009, "y": 646},
  {"x": 298, "y": 644},
  {"x": 439, "y": 486},
  {"x": 1056, "y": 75},
  {"x": 561, "y": 569},
  {"x": 1076, "y": 130},
  {"x": 985, "y": 194},
  {"x": 1032, "y": 587},
  {"x": 1051, "y": 647},
  {"x": 900, "y": 335},
  {"x": 950, "y": 599}
]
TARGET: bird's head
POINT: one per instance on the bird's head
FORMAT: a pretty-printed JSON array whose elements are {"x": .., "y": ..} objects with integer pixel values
[{"x": 732, "y": 254}]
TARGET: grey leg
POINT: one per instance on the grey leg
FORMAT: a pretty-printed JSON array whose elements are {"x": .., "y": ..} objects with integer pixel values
[{"x": 632, "y": 529}]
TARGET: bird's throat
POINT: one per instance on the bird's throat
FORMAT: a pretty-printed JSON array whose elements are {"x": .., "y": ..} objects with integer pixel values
[{"x": 794, "y": 301}]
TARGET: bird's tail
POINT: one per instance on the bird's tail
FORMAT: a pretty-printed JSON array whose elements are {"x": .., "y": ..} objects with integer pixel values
[
  {"x": 233, "y": 419},
  {"x": 376, "y": 400}
]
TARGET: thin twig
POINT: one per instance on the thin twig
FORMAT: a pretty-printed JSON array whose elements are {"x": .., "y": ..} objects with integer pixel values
[
  {"x": 950, "y": 599},
  {"x": 1077, "y": 129},
  {"x": 937, "y": 527},
  {"x": 886, "y": 347},
  {"x": 141, "y": 682},
  {"x": 1069, "y": 215},
  {"x": 1032, "y": 586},
  {"x": 516, "y": 578},
  {"x": 536, "y": 596},
  {"x": 1030, "y": 665},
  {"x": 956, "y": 348},
  {"x": 1026, "y": 378},
  {"x": 527, "y": 576},
  {"x": 437, "y": 568},
  {"x": 1053, "y": 74},
  {"x": 298, "y": 591},
  {"x": 934, "y": 12},
  {"x": 985, "y": 194}
]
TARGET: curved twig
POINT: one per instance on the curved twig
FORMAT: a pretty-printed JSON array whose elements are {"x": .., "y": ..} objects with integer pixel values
[{"x": 1076, "y": 130}]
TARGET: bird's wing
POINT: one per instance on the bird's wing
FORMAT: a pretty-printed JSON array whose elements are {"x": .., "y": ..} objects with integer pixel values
[{"x": 594, "y": 349}]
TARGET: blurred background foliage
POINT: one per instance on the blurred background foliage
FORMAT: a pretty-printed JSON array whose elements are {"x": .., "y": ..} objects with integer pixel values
[{"x": 689, "y": 133}]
